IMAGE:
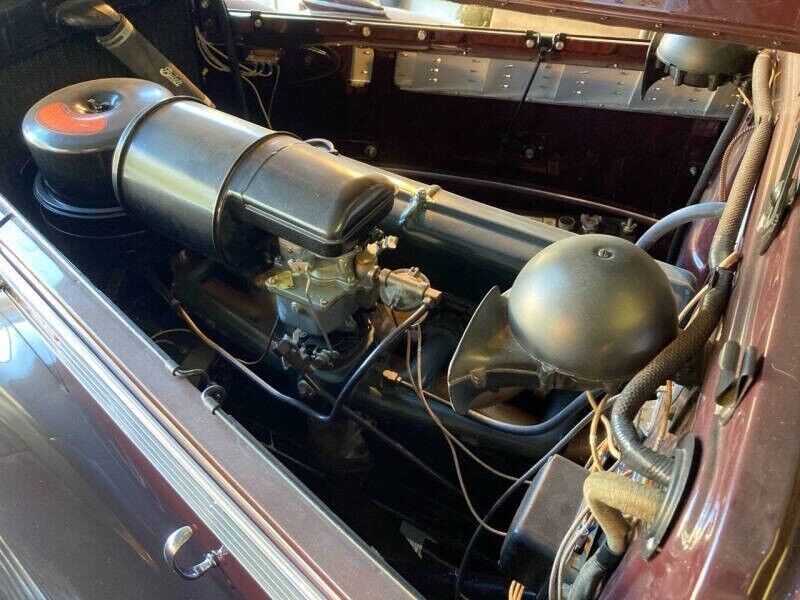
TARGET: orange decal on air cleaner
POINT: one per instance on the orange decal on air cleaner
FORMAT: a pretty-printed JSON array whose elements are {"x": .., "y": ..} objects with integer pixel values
[{"x": 60, "y": 118}]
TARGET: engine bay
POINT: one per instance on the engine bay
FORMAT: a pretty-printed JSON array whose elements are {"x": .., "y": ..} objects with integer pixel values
[{"x": 412, "y": 355}]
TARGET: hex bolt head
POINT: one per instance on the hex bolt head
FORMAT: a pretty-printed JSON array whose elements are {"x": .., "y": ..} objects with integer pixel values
[{"x": 629, "y": 227}]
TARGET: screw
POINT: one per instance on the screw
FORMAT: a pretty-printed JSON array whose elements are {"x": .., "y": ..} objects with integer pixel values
[
  {"x": 422, "y": 35},
  {"x": 366, "y": 31},
  {"x": 629, "y": 227},
  {"x": 693, "y": 170},
  {"x": 605, "y": 253},
  {"x": 324, "y": 302},
  {"x": 258, "y": 23},
  {"x": 529, "y": 153},
  {"x": 590, "y": 223},
  {"x": 204, "y": 4},
  {"x": 559, "y": 45},
  {"x": 370, "y": 151},
  {"x": 530, "y": 43}
]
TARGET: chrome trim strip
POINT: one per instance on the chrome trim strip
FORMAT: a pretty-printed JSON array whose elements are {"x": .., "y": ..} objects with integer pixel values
[
  {"x": 15, "y": 580},
  {"x": 271, "y": 569}
]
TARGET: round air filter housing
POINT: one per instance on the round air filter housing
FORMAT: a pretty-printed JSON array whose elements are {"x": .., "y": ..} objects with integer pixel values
[
  {"x": 72, "y": 134},
  {"x": 696, "y": 62},
  {"x": 595, "y": 308},
  {"x": 701, "y": 62}
]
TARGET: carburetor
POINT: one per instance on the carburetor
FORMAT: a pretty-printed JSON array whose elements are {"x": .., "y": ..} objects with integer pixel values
[{"x": 319, "y": 294}]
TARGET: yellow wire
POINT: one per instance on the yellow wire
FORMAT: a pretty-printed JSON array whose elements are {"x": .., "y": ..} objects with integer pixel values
[
  {"x": 608, "y": 442},
  {"x": 418, "y": 389},
  {"x": 663, "y": 421},
  {"x": 597, "y": 462},
  {"x": 744, "y": 97},
  {"x": 515, "y": 591}
]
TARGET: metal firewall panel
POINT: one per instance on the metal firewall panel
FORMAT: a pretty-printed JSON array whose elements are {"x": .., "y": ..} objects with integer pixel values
[
  {"x": 576, "y": 85},
  {"x": 442, "y": 73}
]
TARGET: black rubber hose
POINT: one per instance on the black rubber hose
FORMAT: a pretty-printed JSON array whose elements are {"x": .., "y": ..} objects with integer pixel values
[
  {"x": 386, "y": 343},
  {"x": 691, "y": 340},
  {"x": 634, "y": 453},
  {"x": 91, "y": 16},
  {"x": 709, "y": 169},
  {"x": 592, "y": 574}
]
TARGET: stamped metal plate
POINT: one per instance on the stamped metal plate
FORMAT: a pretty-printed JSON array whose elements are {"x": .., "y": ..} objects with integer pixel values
[{"x": 596, "y": 87}]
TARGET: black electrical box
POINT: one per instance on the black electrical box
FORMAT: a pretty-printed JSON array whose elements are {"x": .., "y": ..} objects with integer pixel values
[{"x": 541, "y": 521}]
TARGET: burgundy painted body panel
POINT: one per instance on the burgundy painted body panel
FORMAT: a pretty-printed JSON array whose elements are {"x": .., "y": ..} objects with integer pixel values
[
  {"x": 736, "y": 534},
  {"x": 81, "y": 515}
]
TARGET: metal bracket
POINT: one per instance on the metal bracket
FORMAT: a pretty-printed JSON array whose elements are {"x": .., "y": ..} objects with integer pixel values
[
  {"x": 683, "y": 458},
  {"x": 416, "y": 203},
  {"x": 175, "y": 542},
  {"x": 558, "y": 42},
  {"x": 736, "y": 377},
  {"x": 728, "y": 361},
  {"x": 212, "y": 396},
  {"x": 361, "y": 66}
]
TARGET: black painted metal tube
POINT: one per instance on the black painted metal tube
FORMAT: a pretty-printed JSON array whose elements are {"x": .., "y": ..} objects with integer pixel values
[{"x": 145, "y": 60}]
